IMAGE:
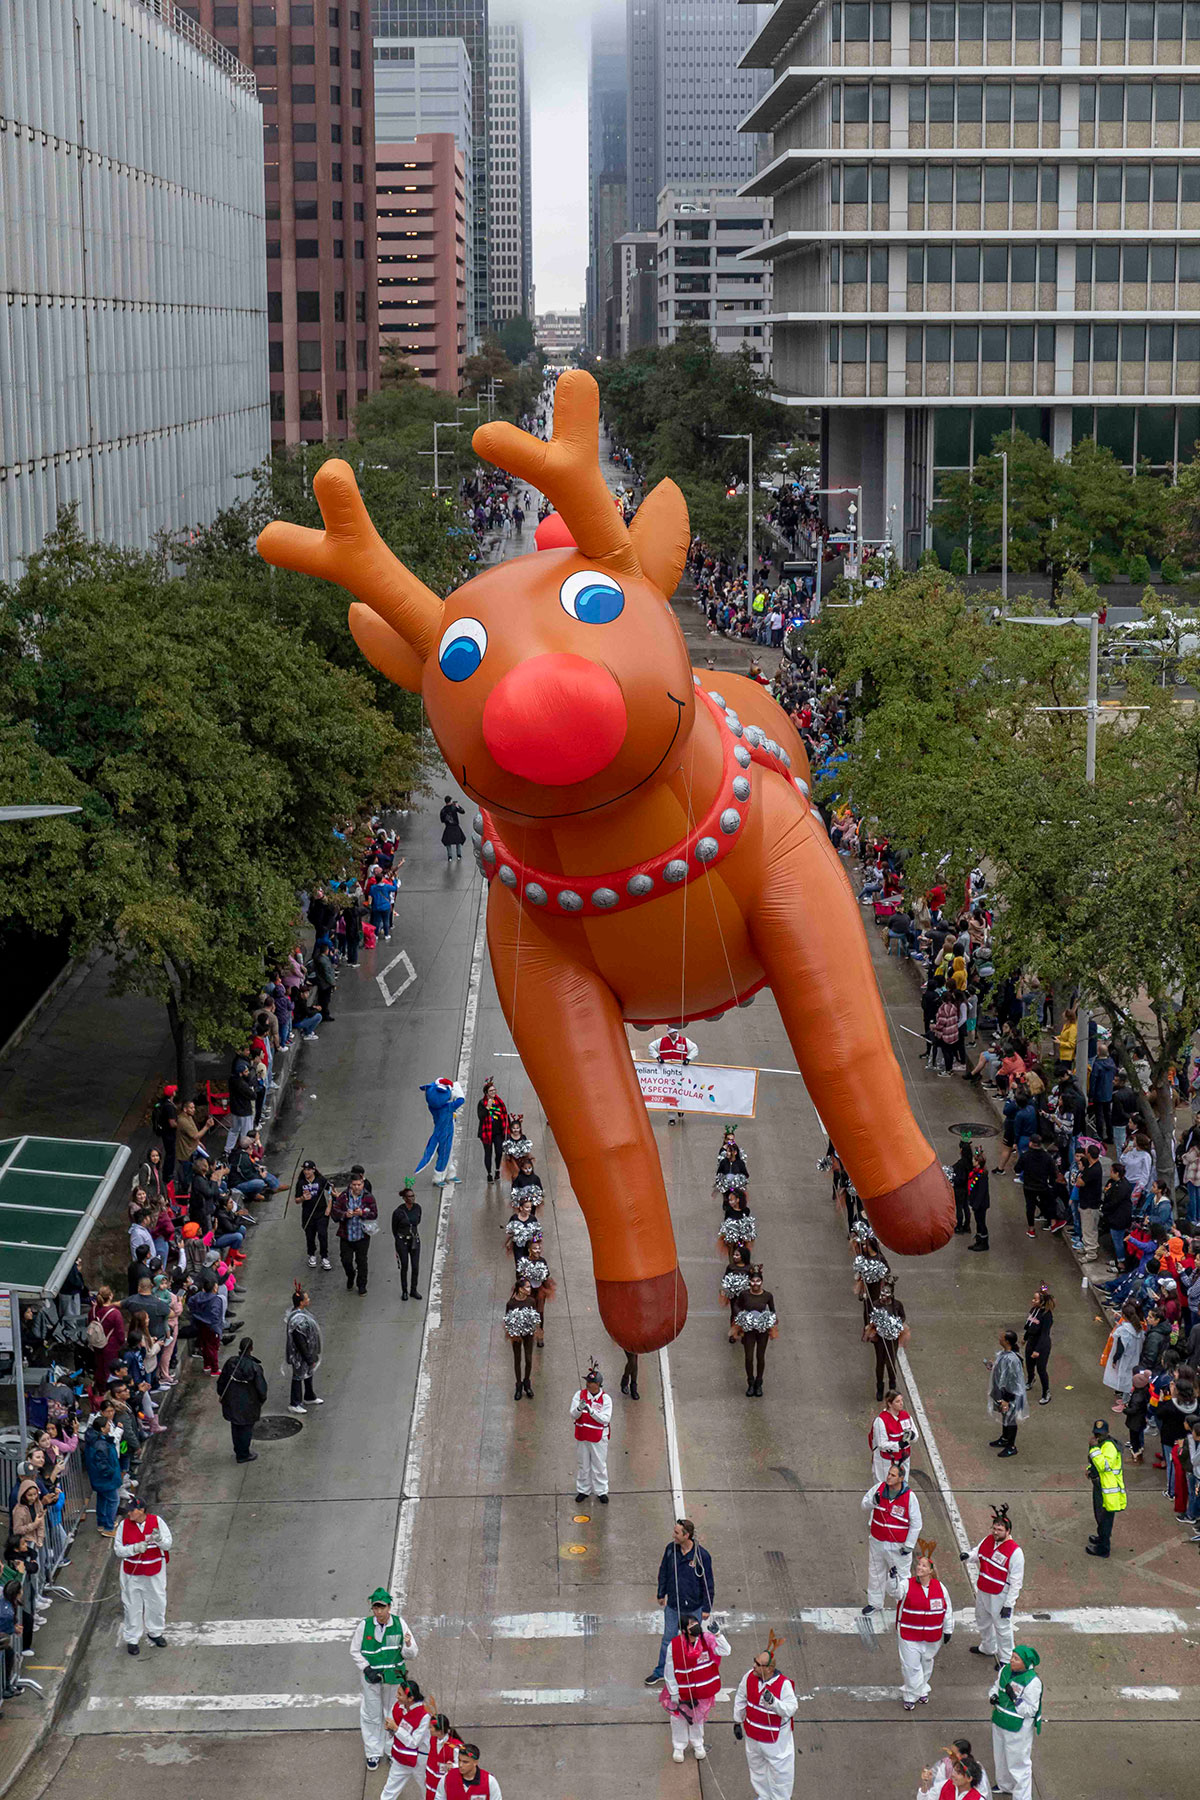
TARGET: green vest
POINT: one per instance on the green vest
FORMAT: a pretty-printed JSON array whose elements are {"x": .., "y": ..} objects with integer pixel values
[
  {"x": 1106, "y": 1460},
  {"x": 1004, "y": 1714},
  {"x": 385, "y": 1655}
]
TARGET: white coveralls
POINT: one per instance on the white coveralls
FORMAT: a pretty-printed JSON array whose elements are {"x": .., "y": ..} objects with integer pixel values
[
  {"x": 917, "y": 1659},
  {"x": 995, "y": 1633},
  {"x": 143, "y": 1597},
  {"x": 1012, "y": 1751},
  {"x": 410, "y": 1738},
  {"x": 376, "y": 1702},
  {"x": 591, "y": 1455},
  {"x": 772, "y": 1767},
  {"x": 685, "y": 1731},
  {"x": 880, "y": 1441},
  {"x": 882, "y": 1558}
]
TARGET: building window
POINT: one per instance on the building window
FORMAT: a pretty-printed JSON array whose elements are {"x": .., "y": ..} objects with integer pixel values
[
  {"x": 310, "y": 403},
  {"x": 339, "y": 308},
  {"x": 275, "y": 308},
  {"x": 277, "y": 413},
  {"x": 308, "y": 355},
  {"x": 308, "y": 306},
  {"x": 264, "y": 54},
  {"x": 275, "y": 358},
  {"x": 303, "y": 94},
  {"x": 262, "y": 15},
  {"x": 307, "y": 247},
  {"x": 335, "y": 96},
  {"x": 306, "y": 171}
]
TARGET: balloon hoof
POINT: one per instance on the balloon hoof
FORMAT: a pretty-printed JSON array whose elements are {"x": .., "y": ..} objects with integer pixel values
[
  {"x": 917, "y": 1216},
  {"x": 644, "y": 1315}
]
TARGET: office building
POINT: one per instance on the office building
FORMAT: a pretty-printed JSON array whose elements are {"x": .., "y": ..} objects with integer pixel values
[
  {"x": 559, "y": 334},
  {"x": 705, "y": 235},
  {"x": 133, "y": 339},
  {"x": 607, "y": 103},
  {"x": 424, "y": 86},
  {"x": 986, "y": 216},
  {"x": 687, "y": 94},
  {"x": 631, "y": 311},
  {"x": 421, "y": 188},
  {"x": 468, "y": 20},
  {"x": 313, "y": 64},
  {"x": 510, "y": 227}
]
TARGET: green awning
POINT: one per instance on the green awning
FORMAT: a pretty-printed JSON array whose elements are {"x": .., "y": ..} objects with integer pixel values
[{"x": 52, "y": 1191}]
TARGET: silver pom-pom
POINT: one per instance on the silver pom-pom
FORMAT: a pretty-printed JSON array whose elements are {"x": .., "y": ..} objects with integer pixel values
[
  {"x": 532, "y": 1272},
  {"x": 741, "y": 1229},
  {"x": 760, "y": 1319},
  {"x": 870, "y": 1269},
  {"x": 522, "y": 1321},
  {"x": 734, "y": 1283},
  {"x": 887, "y": 1324},
  {"x": 731, "y": 1184}
]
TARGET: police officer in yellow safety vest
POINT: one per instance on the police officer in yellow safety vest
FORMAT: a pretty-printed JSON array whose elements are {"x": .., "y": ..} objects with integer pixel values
[
  {"x": 1108, "y": 1487},
  {"x": 379, "y": 1645}
]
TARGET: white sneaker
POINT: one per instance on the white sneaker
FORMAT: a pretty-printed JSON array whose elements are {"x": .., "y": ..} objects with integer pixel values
[
  {"x": 297, "y": 1409},
  {"x": 677, "y": 1756},
  {"x": 701, "y": 1753},
  {"x": 325, "y": 1263},
  {"x": 315, "y": 1401},
  {"x": 312, "y": 1262}
]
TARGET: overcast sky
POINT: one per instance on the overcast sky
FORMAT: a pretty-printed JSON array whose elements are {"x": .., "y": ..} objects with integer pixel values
[{"x": 556, "y": 64}]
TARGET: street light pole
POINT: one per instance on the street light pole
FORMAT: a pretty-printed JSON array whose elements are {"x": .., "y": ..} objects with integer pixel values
[
  {"x": 1004, "y": 526},
  {"x": 747, "y": 438}
]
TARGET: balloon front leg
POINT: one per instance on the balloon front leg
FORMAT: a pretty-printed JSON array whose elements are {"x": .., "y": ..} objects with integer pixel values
[
  {"x": 808, "y": 933},
  {"x": 567, "y": 1026}
]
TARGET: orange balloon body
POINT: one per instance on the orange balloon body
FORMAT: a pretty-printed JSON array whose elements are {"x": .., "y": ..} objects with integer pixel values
[{"x": 559, "y": 690}]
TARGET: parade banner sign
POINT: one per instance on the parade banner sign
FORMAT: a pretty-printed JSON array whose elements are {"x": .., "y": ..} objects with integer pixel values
[{"x": 698, "y": 1088}]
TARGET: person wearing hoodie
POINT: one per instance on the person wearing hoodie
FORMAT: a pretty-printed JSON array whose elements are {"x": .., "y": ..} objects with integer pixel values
[
  {"x": 325, "y": 975},
  {"x": 102, "y": 1461},
  {"x": 1038, "y": 1171},
  {"x": 207, "y": 1308},
  {"x": 242, "y": 1391},
  {"x": 1116, "y": 1213}
]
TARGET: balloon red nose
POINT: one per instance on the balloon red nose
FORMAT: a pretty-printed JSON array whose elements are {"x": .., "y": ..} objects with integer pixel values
[{"x": 555, "y": 720}]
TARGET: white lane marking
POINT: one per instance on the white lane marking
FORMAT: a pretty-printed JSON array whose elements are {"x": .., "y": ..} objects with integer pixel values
[
  {"x": 410, "y": 1492},
  {"x": 218, "y": 1703},
  {"x": 1149, "y": 1693},
  {"x": 676, "y": 1472},
  {"x": 390, "y": 997},
  {"x": 918, "y": 1405},
  {"x": 542, "y": 1696},
  {"x": 834, "y": 1621},
  {"x": 934, "y": 1454}
]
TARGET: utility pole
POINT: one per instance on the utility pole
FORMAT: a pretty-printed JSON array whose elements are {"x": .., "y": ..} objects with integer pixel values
[
  {"x": 1004, "y": 528},
  {"x": 747, "y": 438}
]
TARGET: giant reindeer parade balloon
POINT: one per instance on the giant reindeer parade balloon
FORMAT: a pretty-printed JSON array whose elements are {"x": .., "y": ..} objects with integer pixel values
[{"x": 648, "y": 839}]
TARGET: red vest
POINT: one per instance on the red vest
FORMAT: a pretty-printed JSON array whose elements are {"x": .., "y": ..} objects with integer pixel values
[
  {"x": 441, "y": 1758},
  {"x": 585, "y": 1428},
  {"x": 151, "y": 1561},
  {"x": 889, "y": 1516},
  {"x": 672, "y": 1048},
  {"x": 921, "y": 1616},
  {"x": 698, "y": 1671},
  {"x": 893, "y": 1451},
  {"x": 760, "y": 1724},
  {"x": 406, "y": 1754},
  {"x": 993, "y": 1564},
  {"x": 457, "y": 1789},
  {"x": 950, "y": 1792}
]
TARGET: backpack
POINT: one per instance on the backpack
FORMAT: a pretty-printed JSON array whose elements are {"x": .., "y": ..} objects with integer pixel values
[{"x": 97, "y": 1337}]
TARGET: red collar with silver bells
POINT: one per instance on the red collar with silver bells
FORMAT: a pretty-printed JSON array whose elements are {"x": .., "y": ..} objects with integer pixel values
[{"x": 708, "y": 844}]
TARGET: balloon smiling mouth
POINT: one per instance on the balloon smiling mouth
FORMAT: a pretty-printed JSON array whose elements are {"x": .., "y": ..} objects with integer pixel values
[{"x": 580, "y": 812}]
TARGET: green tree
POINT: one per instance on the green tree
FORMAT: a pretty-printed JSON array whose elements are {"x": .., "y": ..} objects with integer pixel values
[
  {"x": 395, "y": 370},
  {"x": 214, "y": 750},
  {"x": 1098, "y": 885},
  {"x": 515, "y": 337}
]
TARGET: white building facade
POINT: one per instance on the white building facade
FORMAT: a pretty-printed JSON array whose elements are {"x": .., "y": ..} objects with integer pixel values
[
  {"x": 706, "y": 235},
  {"x": 133, "y": 344},
  {"x": 987, "y": 216}
]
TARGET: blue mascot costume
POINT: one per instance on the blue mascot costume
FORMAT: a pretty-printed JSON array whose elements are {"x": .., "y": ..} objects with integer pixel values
[{"x": 443, "y": 1097}]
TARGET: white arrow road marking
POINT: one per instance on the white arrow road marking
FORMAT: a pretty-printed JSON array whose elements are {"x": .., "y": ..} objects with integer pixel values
[{"x": 390, "y": 999}]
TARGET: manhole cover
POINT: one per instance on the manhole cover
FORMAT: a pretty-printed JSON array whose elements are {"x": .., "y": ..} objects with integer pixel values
[
  {"x": 973, "y": 1129},
  {"x": 276, "y": 1427}
]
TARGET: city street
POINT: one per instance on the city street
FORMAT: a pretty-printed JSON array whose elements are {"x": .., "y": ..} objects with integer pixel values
[{"x": 535, "y": 1617}]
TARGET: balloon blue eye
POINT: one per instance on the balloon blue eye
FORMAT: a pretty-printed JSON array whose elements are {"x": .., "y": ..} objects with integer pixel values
[
  {"x": 461, "y": 649},
  {"x": 592, "y": 598}
]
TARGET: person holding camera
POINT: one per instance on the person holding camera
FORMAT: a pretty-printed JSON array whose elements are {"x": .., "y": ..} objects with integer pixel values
[{"x": 380, "y": 1646}]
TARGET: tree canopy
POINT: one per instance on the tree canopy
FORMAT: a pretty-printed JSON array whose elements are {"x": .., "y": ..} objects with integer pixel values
[{"x": 1098, "y": 885}]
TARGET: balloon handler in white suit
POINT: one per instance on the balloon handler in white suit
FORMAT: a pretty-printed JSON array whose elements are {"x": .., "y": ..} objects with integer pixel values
[
  {"x": 380, "y": 1646},
  {"x": 763, "y": 1708},
  {"x": 591, "y": 1410},
  {"x": 1016, "y": 1717},
  {"x": 142, "y": 1545},
  {"x": 997, "y": 1570}
]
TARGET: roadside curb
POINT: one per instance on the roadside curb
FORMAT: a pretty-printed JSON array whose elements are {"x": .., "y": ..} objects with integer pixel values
[{"x": 92, "y": 1556}]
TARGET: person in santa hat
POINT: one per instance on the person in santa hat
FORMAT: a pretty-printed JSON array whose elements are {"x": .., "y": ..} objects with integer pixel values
[
  {"x": 997, "y": 1569},
  {"x": 142, "y": 1545},
  {"x": 693, "y": 1681},
  {"x": 893, "y": 1435},
  {"x": 762, "y": 1709},
  {"x": 408, "y": 1725},
  {"x": 895, "y": 1526},
  {"x": 592, "y": 1410},
  {"x": 924, "y": 1622}
]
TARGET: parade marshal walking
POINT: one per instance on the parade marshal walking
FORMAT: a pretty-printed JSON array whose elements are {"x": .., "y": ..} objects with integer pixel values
[{"x": 380, "y": 1645}]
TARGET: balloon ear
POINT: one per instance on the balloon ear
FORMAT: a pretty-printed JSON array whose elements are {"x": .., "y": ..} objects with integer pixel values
[{"x": 661, "y": 535}]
